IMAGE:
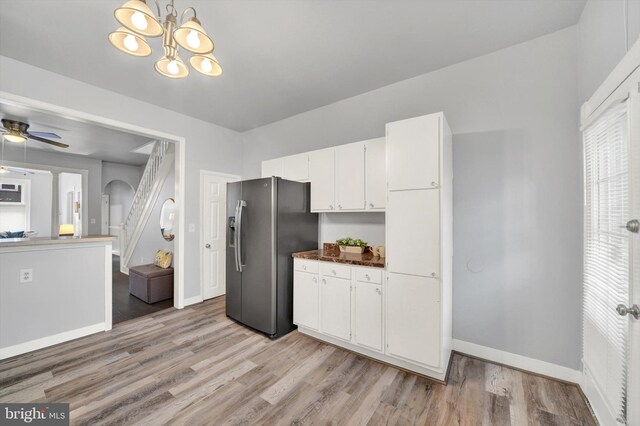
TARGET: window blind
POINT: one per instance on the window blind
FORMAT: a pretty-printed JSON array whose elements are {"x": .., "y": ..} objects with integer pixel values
[{"x": 606, "y": 255}]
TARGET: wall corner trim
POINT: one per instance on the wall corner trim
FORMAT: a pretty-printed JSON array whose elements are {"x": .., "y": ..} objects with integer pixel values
[
  {"x": 193, "y": 300},
  {"x": 519, "y": 361}
]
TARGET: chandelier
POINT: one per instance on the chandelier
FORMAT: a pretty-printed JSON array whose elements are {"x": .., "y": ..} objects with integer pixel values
[{"x": 138, "y": 22}]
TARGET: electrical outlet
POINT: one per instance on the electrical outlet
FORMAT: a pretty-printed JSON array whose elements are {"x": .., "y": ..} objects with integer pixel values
[{"x": 26, "y": 275}]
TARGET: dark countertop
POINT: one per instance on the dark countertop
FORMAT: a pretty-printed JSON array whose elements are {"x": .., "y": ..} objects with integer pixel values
[{"x": 364, "y": 259}]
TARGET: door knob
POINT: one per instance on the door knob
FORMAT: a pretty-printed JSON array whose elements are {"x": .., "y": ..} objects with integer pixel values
[
  {"x": 634, "y": 311},
  {"x": 632, "y": 226},
  {"x": 207, "y": 246}
]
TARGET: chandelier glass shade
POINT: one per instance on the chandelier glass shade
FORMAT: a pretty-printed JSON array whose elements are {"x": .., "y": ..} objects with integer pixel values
[
  {"x": 206, "y": 64},
  {"x": 136, "y": 16},
  {"x": 129, "y": 42},
  {"x": 138, "y": 21}
]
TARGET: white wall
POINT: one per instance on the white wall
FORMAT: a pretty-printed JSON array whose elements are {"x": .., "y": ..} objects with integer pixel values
[
  {"x": 68, "y": 182},
  {"x": 124, "y": 172},
  {"x": 41, "y": 193},
  {"x": 151, "y": 239},
  {"x": 517, "y": 196},
  {"x": 602, "y": 40},
  {"x": 208, "y": 146},
  {"x": 57, "y": 159},
  {"x": 368, "y": 227}
]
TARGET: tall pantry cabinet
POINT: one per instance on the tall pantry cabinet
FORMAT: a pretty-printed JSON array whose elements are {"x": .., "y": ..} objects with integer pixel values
[{"x": 419, "y": 242}]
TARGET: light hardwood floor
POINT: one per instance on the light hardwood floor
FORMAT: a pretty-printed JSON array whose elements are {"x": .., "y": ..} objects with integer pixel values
[{"x": 195, "y": 366}]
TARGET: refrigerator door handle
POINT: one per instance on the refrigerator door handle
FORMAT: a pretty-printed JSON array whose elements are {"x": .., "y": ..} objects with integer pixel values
[
  {"x": 239, "y": 262},
  {"x": 235, "y": 236}
]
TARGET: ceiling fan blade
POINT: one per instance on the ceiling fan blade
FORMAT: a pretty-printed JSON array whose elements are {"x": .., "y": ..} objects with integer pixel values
[
  {"x": 18, "y": 170},
  {"x": 46, "y": 135},
  {"x": 39, "y": 139}
]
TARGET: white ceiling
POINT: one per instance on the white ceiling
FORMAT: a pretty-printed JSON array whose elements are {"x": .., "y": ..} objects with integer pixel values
[
  {"x": 280, "y": 57},
  {"x": 84, "y": 139}
]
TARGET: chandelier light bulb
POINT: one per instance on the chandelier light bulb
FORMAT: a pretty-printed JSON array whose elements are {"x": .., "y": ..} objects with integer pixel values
[
  {"x": 139, "y": 21},
  {"x": 131, "y": 43},
  {"x": 173, "y": 68},
  {"x": 206, "y": 65},
  {"x": 193, "y": 39}
]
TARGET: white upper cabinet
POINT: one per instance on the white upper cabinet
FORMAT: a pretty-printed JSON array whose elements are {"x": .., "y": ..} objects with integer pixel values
[
  {"x": 273, "y": 168},
  {"x": 375, "y": 174},
  {"x": 296, "y": 167},
  {"x": 413, "y": 153},
  {"x": 350, "y": 176},
  {"x": 322, "y": 174}
]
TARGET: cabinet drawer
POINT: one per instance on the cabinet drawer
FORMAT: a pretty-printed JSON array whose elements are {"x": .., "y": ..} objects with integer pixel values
[
  {"x": 330, "y": 269},
  {"x": 369, "y": 275},
  {"x": 303, "y": 265}
]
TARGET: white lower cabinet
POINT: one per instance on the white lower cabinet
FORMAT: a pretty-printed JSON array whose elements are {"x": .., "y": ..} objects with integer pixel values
[
  {"x": 413, "y": 318},
  {"x": 335, "y": 307},
  {"x": 368, "y": 315},
  {"x": 306, "y": 299}
]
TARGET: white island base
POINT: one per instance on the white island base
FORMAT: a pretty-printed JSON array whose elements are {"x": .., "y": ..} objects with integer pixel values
[{"x": 53, "y": 290}]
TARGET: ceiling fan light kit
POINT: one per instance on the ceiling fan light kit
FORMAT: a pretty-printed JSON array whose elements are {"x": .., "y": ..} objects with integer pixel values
[
  {"x": 139, "y": 21},
  {"x": 17, "y": 132}
]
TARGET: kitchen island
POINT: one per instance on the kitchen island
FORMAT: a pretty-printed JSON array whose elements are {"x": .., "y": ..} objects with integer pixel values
[{"x": 53, "y": 290}]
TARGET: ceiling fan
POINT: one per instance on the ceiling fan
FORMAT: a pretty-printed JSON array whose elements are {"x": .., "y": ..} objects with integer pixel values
[
  {"x": 4, "y": 169},
  {"x": 16, "y": 131}
]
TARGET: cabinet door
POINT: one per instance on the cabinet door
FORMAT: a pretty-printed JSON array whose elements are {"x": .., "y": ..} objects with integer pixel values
[
  {"x": 306, "y": 300},
  {"x": 335, "y": 307},
  {"x": 375, "y": 174},
  {"x": 368, "y": 315},
  {"x": 296, "y": 167},
  {"x": 272, "y": 168},
  {"x": 350, "y": 176},
  {"x": 413, "y": 319},
  {"x": 413, "y": 153},
  {"x": 321, "y": 172},
  {"x": 413, "y": 232}
]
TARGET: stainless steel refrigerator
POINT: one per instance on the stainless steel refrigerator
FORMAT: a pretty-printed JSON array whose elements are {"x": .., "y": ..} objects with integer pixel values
[{"x": 267, "y": 220}]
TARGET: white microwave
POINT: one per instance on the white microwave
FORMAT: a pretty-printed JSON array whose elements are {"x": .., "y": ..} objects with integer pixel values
[{"x": 11, "y": 193}]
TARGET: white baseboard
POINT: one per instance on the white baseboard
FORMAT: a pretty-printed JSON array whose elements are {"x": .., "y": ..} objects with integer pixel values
[
  {"x": 44, "y": 342},
  {"x": 518, "y": 361},
  {"x": 193, "y": 300}
]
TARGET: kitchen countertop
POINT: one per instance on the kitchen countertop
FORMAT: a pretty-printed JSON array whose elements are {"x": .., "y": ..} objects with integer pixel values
[
  {"x": 364, "y": 259},
  {"x": 38, "y": 241}
]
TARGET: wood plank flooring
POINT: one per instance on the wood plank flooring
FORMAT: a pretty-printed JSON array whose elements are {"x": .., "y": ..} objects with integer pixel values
[{"x": 196, "y": 367}]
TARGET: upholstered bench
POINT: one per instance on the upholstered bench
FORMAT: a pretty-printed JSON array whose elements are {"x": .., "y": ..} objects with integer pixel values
[{"x": 151, "y": 283}]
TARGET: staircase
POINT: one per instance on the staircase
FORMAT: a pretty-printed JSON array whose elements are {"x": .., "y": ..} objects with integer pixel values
[{"x": 158, "y": 166}]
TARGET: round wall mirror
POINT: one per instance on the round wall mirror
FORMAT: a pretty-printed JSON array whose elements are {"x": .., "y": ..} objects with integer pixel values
[{"x": 168, "y": 219}]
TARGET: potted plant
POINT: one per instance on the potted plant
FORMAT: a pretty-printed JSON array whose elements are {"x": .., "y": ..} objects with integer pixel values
[{"x": 349, "y": 245}]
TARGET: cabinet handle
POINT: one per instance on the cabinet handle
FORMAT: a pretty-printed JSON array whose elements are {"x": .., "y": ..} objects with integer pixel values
[
  {"x": 304, "y": 267},
  {"x": 324, "y": 281},
  {"x": 378, "y": 291},
  {"x": 330, "y": 206},
  {"x": 333, "y": 271},
  {"x": 315, "y": 280},
  {"x": 433, "y": 274},
  {"x": 434, "y": 184},
  {"x": 370, "y": 205},
  {"x": 340, "y": 206},
  {"x": 367, "y": 277}
]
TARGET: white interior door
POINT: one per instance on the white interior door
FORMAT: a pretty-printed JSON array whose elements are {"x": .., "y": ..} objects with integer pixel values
[
  {"x": 213, "y": 190},
  {"x": 611, "y": 264},
  {"x": 633, "y": 409}
]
